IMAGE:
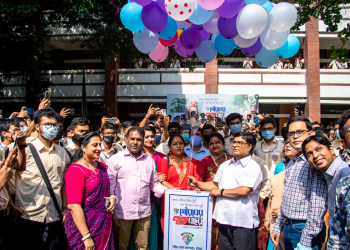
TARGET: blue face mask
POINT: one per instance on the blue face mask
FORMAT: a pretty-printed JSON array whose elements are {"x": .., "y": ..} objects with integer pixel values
[
  {"x": 337, "y": 133},
  {"x": 62, "y": 140},
  {"x": 24, "y": 129},
  {"x": 157, "y": 138},
  {"x": 235, "y": 128},
  {"x": 186, "y": 137},
  {"x": 195, "y": 140},
  {"x": 268, "y": 135},
  {"x": 49, "y": 133},
  {"x": 348, "y": 150},
  {"x": 69, "y": 141}
]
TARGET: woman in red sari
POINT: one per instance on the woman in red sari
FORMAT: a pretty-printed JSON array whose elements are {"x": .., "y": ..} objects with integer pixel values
[
  {"x": 180, "y": 166},
  {"x": 208, "y": 168}
]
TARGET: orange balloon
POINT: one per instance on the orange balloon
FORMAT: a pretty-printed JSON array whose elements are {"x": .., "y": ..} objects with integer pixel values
[{"x": 179, "y": 32}]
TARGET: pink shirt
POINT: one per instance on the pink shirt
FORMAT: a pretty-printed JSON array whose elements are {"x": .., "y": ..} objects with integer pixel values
[
  {"x": 131, "y": 181},
  {"x": 79, "y": 180},
  {"x": 157, "y": 157}
]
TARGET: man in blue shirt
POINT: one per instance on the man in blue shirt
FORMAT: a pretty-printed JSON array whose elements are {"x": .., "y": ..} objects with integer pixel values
[{"x": 195, "y": 149}]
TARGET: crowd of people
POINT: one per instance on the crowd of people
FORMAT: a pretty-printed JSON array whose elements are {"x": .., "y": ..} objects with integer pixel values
[{"x": 73, "y": 188}]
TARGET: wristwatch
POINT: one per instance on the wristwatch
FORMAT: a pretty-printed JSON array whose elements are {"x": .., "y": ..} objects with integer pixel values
[{"x": 22, "y": 146}]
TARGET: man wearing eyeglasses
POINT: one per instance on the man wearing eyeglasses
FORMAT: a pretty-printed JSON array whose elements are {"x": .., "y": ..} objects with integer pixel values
[
  {"x": 108, "y": 137},
  {"x": 236, "y": 185},
  {"x": 270, "y": 149},
  {"x": 344, "y": 132},
  {"x": 40, "y": 224},
  {"x": 304, "y": 200}
]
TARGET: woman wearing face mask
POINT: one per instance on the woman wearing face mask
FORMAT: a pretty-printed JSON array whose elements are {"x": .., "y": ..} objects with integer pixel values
[
  {"x": 208, "y": 168},
  {"x": 157, "y": 136},
  {"x": 90, "y": 204},
  {"x": 277, "y": 183},
  {"x": 177, "y": 166}
]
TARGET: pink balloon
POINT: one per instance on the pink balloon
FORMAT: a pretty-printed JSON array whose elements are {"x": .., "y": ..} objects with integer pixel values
[
  {"x": 160, "y": 53},
  {"x": 210, "y": 4}
]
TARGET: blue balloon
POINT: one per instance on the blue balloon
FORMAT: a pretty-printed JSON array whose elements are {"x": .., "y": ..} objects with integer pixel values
[
  {"x": 266, "y": 58},
  {"x": 200, "y": 15},
  {"x": 146, "y": 41},
  {"x": 183, "y": 25},
  {"x": 224, "y": 46},
  {"x": 258, "y": 2},
  {"x": 213, "y": 37},
  {"x": 206, "y": 52},
  {"x": 290, "y": 48},
  {"x": 130, "y": 16},
  {"x": 268, "y": 6},
  {"x": 170, "y": 30}
]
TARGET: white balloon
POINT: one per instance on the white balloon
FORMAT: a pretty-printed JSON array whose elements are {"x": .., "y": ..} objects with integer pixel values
[
  {"x": 215, "y": 15},
  {"x": 251, "y": 21},
  {"x": 183, "y": 25},
  {"x": 272, "y": 40},
  {"x": 268, "y": 23},
  {"x": 245, "y": 43},
  {"x": 283, "y": 16},
  {"x": 180, "y": 10},
  {"x": 212, "y": 26}
]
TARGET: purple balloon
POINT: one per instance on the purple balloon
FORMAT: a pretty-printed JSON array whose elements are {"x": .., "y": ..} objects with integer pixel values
[
  {"x": 191, "y": 38},
  {"x": 161, "y": 4},
  {"x": 230, "y": 8},
  {"x": 154, "y": 18},
  {"x": 227, "y": 27},
  {"x": 180, "y": 50},
  {"x": 253, "y": 50},
  {"x": 197, "y": 27},
  {"x": 142, "y": 2},
  {"x": 205, "y": 34}
]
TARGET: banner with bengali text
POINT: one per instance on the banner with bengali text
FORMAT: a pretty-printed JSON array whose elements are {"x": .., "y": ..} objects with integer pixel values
[{"x": 187, "y": 220}]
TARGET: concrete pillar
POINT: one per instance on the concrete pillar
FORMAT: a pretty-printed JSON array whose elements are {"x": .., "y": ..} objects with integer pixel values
[
  {"x": 211, "y": 77},
  {"x": 111, "y": 83},
  {"x": 312, "y": 66}
]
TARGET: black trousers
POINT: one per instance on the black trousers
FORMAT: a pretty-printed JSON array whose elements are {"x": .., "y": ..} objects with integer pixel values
[
  {"x": 42, "y": 236},
  {"x": 236, "y": 238},
  {"x": 8, "y": 239}
]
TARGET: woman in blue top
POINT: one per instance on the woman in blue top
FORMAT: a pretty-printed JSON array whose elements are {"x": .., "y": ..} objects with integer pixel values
[{"x": 288, "y": 154}]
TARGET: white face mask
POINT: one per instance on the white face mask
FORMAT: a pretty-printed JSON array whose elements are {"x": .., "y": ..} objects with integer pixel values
[
  {"x": 49, "y": 133},
  {"x": 24, "y": 129}
]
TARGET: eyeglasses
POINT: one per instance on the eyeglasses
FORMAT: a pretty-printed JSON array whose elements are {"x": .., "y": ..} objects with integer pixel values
[
  {"x": 298, "y": 133},
  {"x": 268, "y": 129},
  {"x": 208, "y": 133},
  {"x": 214, "y": 143},
  {"x": 238, "y": 143},
  {"x": 49, "y": 125},
  {"x": 178, "y": 143},
  {"x": 107, "y": 134}
]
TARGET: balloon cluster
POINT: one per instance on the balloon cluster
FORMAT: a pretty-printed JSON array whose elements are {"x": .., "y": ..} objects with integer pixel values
[{"x": 258, "y": 27}]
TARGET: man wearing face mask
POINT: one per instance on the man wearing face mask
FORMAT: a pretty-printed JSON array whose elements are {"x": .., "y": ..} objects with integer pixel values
[
  {"x": 195, "y": 149},
  {"x": 40, "y": 224},
  {"x": 22, "y": 124},
  {"x": 270, "y": 149},
  {"x": 173, "y": 128},
  {"x": 186, "y": 130},
  {"x": 336, "y": 142},
  {"x": 8, "y": 130},
  {"x": 248, "y": 64},
  {"x": 234, "y": 121},
  {"x": 344, "y": 131},
  {"x": 79, "y": 126},
  {"x": 207, "y": 129},
  {"x": 68, "y": 135},
  {"x": 288, "y": 65},
  {"x": 59, "y": 140},
  {"x": 108, "y": 145}
]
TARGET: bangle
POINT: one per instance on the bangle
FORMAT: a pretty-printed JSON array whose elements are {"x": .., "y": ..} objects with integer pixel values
[
  {"x": 85, "y": 234},
  {"x": 116, "y": 199},
  {"x": 64, "y": 208},
  {"x": 222, "y": 191},
  {"x": 86, "y": 237},
  {"x": 266, "y": 219}
]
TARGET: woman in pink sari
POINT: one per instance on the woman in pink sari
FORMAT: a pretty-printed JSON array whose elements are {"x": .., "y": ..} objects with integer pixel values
[{"x": 90, "y": 204}]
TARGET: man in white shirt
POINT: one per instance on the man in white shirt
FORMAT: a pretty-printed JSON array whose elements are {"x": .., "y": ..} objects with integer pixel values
[
  {"x": 40, "y": 225},
  {"x": 108, "y": 145},
  {"x": 249, "y": 121},
  {"x": 79, "y": 126},
  {"x": 194, "y": 120},
  {"x": 299, "y": 62},
  {"x": 278, "y": 64},
  {"x": 236, "y": 185},
  {"x": 248, "y": 64},
  {"x": 344, "y": 65},
  {"x": 288, "y": 65},
  {"x": 335, "y": 64}
]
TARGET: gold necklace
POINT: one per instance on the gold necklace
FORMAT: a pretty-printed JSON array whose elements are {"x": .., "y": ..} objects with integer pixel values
[
  {"x": 218, "y": 158},
  {"x": 87, "y": 165}
]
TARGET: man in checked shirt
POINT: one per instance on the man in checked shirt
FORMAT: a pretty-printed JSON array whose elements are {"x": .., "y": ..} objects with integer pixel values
[{"x": 304, "y": 200}]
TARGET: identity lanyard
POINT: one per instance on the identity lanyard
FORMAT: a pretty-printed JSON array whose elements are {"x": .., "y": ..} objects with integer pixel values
[
  {"x": 271, "y": 150},
  {"x": 105, "y": 155}
]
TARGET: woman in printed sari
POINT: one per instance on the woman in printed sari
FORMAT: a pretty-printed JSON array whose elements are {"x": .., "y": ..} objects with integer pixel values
[
  {"x": 180, "y": 166},
  {"x": 207, "y": 168},
  {"x": 90, "y": 204}
]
